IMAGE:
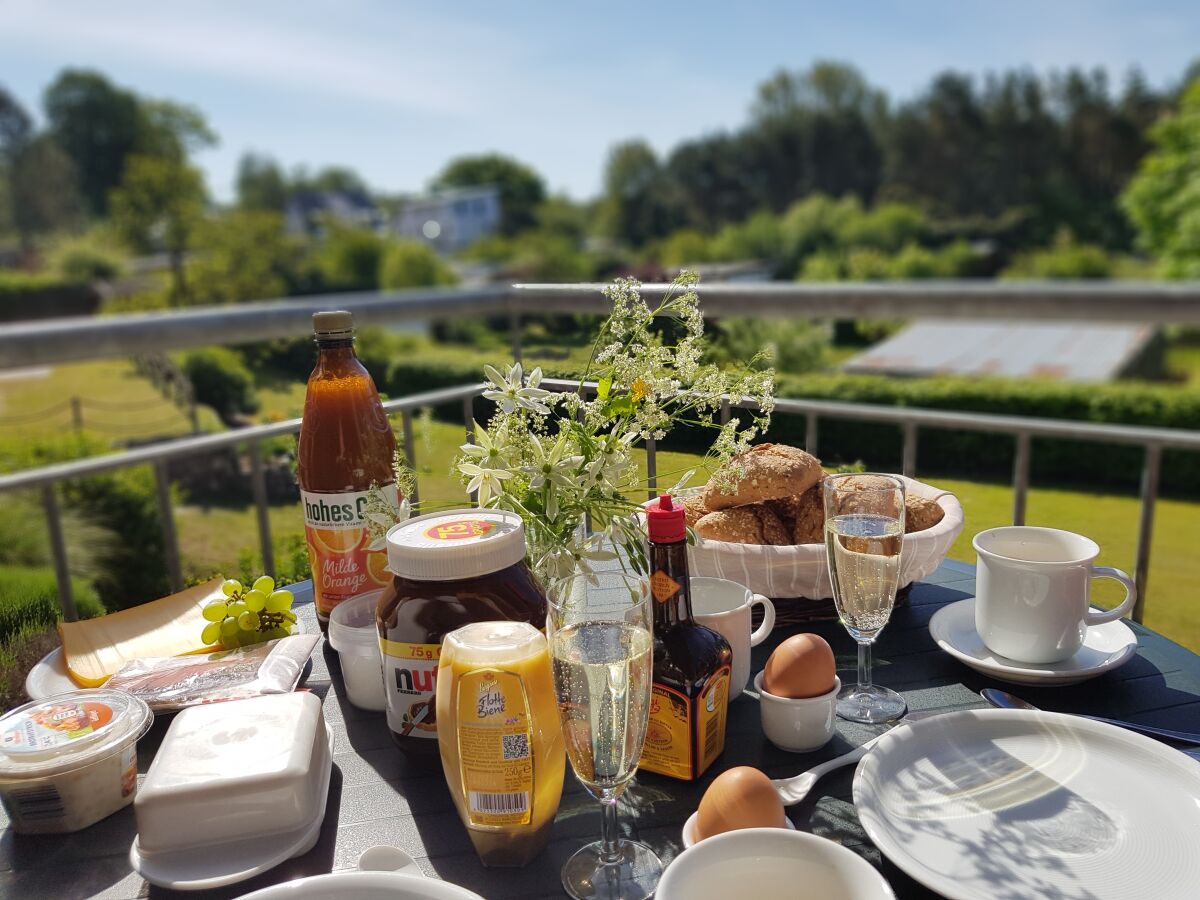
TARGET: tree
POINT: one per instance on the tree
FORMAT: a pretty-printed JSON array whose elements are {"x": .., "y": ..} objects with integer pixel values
[
  {"x": 409, "y": 264},
  {"x": 260, "y": 184},
  {"x": 160, "y": 201},
  {"x": 521, "y": 188},
  {"x": 97, "y": 125},
  {"x": 1163, "y": 198},
  {"x": 172, "y": 130},
  {"x": 15, "y": 125},
  {"x": 42, "y": 189},
  {"x": 244, "y": 255},
  {"x": 349, "y": 259},
  {"x": 637, "y": 195},
  {"x": 331, "y": 178}
]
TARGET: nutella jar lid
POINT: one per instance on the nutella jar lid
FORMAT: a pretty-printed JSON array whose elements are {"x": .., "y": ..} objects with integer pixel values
[{"x": 461, "y": 543}]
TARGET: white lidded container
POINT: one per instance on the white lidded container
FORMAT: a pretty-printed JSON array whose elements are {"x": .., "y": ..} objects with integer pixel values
[
  {"x": 236, "y": 788},
  {"x": 354, "y": 634},
  {"x": 69, "y": 760}
]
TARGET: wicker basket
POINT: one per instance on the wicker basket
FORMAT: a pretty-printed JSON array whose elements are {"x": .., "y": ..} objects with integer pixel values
[{"x": 797, "y": 577}]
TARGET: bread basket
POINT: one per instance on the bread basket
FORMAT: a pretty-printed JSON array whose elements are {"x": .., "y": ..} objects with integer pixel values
[{"x": 801, "y": 571}]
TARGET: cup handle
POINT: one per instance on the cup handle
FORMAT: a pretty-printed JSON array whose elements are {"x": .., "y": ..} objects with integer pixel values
[
  {"x": 768, "y": 623},
  {"x": 1100, "y": 616}
]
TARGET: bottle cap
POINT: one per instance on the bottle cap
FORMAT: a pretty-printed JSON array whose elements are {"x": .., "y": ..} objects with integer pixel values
[
  {"x": 462, "y": 543},
  {"x": 666, "y": 521},
  {"x": 335, "y": 324}
]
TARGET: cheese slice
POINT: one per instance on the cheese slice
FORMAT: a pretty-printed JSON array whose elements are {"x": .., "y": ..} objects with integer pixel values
[{"x": 95, "y": 649}]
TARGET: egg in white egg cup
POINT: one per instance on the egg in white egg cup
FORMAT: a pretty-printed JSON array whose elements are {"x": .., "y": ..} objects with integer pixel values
[{"x": 800, "y": 725}]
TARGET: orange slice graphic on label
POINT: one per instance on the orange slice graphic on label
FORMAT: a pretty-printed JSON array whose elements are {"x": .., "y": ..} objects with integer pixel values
[
  {"x": 377, "y": 568},
  {"x": 336, "y": 540}
]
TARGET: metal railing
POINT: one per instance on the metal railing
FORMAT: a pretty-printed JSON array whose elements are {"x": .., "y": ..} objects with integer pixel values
[
  {"x": 47, "y": 342},
  {"x": 908, "y": 420},
  {"x": 50, "y": 342}
]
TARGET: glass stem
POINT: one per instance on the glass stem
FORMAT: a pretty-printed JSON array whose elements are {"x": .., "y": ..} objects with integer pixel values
[
  {"x": 864, "y": 664},
  {"x": 610, "y": 839}
]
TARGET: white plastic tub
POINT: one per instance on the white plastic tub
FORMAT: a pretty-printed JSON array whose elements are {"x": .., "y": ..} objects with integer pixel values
[
  {"x": 353, "y": 633},
  {"x": 70, "y": 760},
  {"x": 235, "y": 789}
]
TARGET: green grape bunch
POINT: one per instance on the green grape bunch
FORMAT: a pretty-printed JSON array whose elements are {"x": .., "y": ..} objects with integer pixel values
[{"x": 248, "y": 615}]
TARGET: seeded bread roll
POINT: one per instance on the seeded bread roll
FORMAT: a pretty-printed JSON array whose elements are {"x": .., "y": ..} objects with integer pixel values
[
  {"x": 772, "y": 471},
  {"x": 920, "y": 513},
  {"x": 803, "y": 515},
  {"x": 756, "y": 524},
  {"x": 694, "y": 509}
]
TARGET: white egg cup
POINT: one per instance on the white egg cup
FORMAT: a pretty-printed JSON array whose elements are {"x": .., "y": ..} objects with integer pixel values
[
  {"x": 798, "y": 726},
  {"x": 689, "y": 829}
]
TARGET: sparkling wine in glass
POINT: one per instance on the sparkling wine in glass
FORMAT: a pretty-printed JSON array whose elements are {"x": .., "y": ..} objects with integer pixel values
[
  {"x": 864, "y": 531},
  {"x": 600, "y": 647}
]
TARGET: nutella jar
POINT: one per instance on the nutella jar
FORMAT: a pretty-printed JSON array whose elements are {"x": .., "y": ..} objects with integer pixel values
[{"x": 451, "y": 569}]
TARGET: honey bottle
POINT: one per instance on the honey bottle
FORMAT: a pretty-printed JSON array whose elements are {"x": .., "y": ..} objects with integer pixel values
[{"x": 691, "y": 662}]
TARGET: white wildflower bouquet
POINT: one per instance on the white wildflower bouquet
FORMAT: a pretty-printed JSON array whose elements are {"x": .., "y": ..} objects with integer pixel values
[{"x": 564, "y": 462}]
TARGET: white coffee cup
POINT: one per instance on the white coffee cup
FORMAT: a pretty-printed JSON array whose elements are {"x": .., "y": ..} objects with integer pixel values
[
  {"x": 1031, "y": 592},
  {"x": 724, "y": 606}
]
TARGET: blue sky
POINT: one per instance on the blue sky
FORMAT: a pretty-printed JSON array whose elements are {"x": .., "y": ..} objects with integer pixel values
[{"x": 394, "y": 89}]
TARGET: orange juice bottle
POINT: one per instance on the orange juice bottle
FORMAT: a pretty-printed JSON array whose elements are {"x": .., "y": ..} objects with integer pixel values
[{"x": 346, "y": 446}]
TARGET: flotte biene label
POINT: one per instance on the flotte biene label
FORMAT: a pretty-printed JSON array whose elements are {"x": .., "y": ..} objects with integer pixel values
[
  {"x": 410, "y": 683},
  {"x": 337, "y": 535},
  {"x": 495, "y": 748}
]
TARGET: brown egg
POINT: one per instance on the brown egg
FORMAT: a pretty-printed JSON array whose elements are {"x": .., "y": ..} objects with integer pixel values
[
  {"x": 741, "y": 797},
  {"x": 802, "y": 666}
]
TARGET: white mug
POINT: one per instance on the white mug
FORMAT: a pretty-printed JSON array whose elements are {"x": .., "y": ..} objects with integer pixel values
[
  {"x": 724, "y": 606},
  {"x": 1031, "y": 592}
]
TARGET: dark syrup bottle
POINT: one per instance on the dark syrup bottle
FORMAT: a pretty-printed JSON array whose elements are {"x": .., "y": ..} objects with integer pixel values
[{"x": 691, "y": 662}]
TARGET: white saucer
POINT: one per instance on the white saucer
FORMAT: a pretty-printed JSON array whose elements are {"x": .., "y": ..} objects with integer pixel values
[
  {"x": 223, "y": 864},
  {"x": 1105, "y": 648}
]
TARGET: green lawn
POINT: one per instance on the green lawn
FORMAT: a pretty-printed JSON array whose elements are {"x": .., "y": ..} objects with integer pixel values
[
  {"x": 116, "y": 403},
  {"x": 212, "y": 539}
]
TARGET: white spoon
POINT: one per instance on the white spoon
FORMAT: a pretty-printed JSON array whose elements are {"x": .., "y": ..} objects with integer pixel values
[{"x": 793, "y": 790}]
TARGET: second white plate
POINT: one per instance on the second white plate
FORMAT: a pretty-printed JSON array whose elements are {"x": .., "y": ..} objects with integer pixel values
[
  {"x": 1105, "y": 648},
  {"x": 991, "y": 803}
]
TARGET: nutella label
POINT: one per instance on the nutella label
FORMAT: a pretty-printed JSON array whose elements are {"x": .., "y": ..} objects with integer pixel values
[{"x": 410, "y": 683}]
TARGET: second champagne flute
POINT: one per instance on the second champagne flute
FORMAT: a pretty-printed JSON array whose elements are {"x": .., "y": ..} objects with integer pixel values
[
  {"x": 864, "y": 531},
  {"x": 600, "y": 646}
]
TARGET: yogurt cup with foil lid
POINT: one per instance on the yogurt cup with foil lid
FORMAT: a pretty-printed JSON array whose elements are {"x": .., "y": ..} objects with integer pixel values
[{"x": 70, "y": 760}]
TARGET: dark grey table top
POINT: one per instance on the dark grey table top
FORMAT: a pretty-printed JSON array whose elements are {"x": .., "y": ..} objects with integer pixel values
[{"x": 376, "y": 797}]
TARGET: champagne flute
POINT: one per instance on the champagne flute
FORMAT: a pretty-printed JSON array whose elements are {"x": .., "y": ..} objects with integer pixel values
[
  {"x": 600, "y": 645},
  {"x": 864, "y": 531}
]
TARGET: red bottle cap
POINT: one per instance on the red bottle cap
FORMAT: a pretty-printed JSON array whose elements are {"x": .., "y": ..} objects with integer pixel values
[{"x": 666, "y": 521}]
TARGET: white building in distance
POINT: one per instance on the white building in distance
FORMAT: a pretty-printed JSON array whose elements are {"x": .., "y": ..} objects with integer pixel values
[{"x": 450, "y": 219}]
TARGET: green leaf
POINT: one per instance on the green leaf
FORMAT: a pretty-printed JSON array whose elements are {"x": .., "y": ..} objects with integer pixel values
[{"x": 603, "y": 388}]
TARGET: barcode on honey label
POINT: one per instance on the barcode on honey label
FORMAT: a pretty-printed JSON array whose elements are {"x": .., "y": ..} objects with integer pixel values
[
  {"x": 494, "y": 802},
  {"x": 35, "y": 804}
]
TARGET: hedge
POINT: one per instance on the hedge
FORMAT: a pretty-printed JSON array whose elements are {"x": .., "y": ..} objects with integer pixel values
[
  {"x": 991, "y": 455},
  {"x": 24, "y": 296}
]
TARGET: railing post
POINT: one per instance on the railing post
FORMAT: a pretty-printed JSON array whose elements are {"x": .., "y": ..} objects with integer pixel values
[
  {"x": 166, "y": 515},
  {"x": 58, "y": 547},
  {"x": 76, "y": 414},
  {"x": 810, "y": 433},
  {"x": 908, "y": 463},
  {"x": 469, "y": 423},
  {"x": 1150, "y": 471},
  {"x": 514, "y": 331},
  {"x": 258, "y": 482},
  {"x": 652, "y": 467},
  {"x": 725, "y": 411},
  {"x": 1021, "y": 477},
  {"x": 410, "y": 454}
]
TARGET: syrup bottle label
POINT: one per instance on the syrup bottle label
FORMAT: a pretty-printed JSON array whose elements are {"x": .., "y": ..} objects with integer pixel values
[
  {"x": 668, "y": 747},
  {"x": 711, "y": 708},
  {"x": 495, "y": 741},
  {"x": 338, "y": 534}
]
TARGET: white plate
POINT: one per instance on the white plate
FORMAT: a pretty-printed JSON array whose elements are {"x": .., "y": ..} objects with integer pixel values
[
  {"x": 998, "y": 803},
  {"x": 216, "y": 866},
  {"x": 1105, "y": 648},
  {"x": 49, "y": 675}
]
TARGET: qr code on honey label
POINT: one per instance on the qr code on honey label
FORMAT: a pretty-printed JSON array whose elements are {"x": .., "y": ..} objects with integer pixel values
[{"x": 516, "y": 746}]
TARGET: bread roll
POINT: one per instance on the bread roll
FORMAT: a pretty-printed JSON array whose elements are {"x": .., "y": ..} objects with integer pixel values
[
  {"x": 920, "y": 513},
  {"x": 772, "y": 471},
  {"x": 694, "y": 509},
  {"x": 754, "y": 524},
  {"x": 804, "y": 515}
]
